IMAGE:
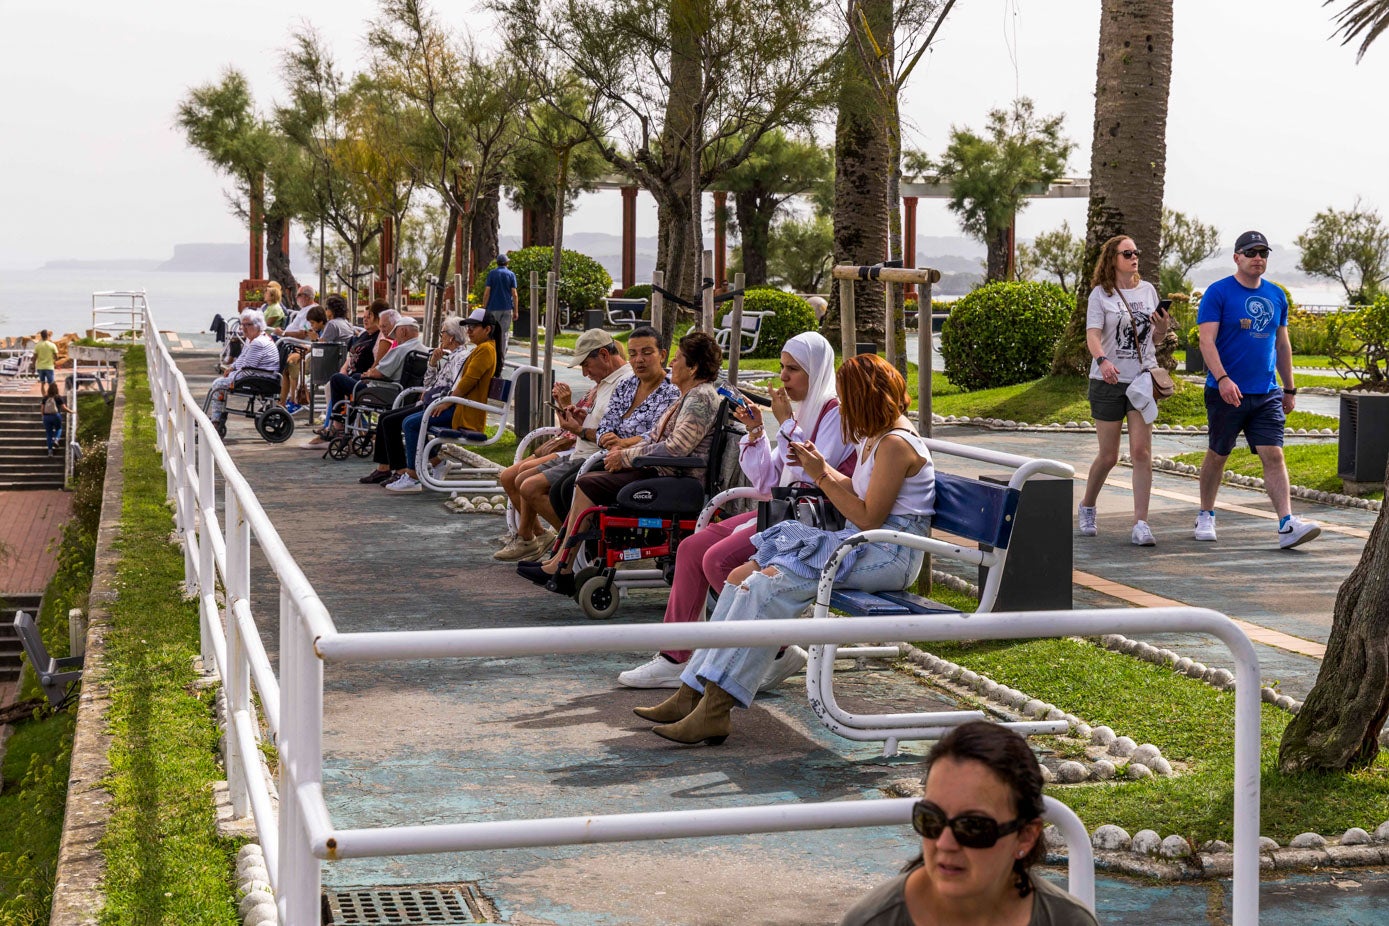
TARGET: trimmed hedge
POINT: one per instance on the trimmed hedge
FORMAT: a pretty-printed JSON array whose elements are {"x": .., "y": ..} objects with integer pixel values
[
  {"x": 791, "y": 316},
  {"x": 1003, "y": 333},
  {"x": 582, "y": 280}
]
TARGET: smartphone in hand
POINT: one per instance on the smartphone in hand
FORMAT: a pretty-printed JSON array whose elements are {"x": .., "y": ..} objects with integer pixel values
[{"x": 1163, "y": 306}]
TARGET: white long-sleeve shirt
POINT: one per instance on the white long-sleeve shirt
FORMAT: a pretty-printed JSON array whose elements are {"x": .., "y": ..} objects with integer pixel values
[{"x": 766, "y": 469}]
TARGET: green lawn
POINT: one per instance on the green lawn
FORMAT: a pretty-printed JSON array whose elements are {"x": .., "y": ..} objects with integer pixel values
[
  {"x": 1312, "y": 466},
  {"x": 1191, "y": 723}
]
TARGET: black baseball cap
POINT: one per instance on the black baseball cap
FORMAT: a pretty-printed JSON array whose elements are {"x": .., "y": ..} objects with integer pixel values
[{"x": 1251, "y": 239}]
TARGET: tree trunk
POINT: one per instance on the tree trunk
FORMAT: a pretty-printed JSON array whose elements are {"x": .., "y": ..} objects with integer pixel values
[
  {"x": 1338, "y": 727},
  {"x": 541, "y": 223},
  {"x": 680, "y": 133},
  {"x": 458, "y": 298},
  {"x": 486, "y": 221},
  {"x": 557, "y": 228},
  {"x": 673, "y": 256},
  {"x": 1128, "y": 162},
  {"x": 861, "y": 169},
  {"x": 754, "y": 216},
  {"x": 276, "y": 260},
  {"x": 996, "y": 264}
]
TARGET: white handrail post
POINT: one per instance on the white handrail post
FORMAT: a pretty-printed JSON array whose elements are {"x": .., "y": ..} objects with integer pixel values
[
  {"x": 207, "y": 567},
  {"x": 187, "y": 502},
  {"x": 236, "y": 682},
  {"x": 735, "y": 329},
  {"x": 301, "y": 763},
  {"x": 658, "y": 303},
  {"x": 706, "y": 294},
  {"x": 1247, "y": 782}
]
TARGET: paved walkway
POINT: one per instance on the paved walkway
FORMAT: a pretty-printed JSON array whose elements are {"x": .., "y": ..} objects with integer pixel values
[
  {"x": 31, "y": 524},
  {"x": 459, "y": 740}
]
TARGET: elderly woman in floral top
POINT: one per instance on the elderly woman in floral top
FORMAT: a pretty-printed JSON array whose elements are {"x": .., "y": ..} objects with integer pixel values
[{"x": 685, "y": 430}]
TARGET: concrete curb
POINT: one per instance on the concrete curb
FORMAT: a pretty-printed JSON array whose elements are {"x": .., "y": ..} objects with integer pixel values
[{"x": 78, "y": 895}]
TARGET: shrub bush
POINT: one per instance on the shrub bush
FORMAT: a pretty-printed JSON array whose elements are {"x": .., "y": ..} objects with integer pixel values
[
  {"x": 1004, "y": 333},
  {"x": 582, "y": 280},
  {"x": 791, "y": 315},
  {"x": 640, "y": 291},
  {"x": 1368, "y": 329}
]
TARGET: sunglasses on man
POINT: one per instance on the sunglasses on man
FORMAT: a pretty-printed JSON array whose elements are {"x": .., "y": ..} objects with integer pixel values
[
  {"x": 971, "y": 830},
  {"x": 1255, "y": 252}
]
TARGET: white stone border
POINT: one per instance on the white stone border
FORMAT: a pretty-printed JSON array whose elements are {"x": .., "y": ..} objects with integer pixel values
[
  {"x": 1085, "y": 426},
  {"x": 1173, "y": 467}
]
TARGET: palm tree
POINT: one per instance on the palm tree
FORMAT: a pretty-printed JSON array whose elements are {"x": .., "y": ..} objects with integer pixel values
[
  {"x": 1128, "y": 160},
  {"x": 1338, "y": 726}
]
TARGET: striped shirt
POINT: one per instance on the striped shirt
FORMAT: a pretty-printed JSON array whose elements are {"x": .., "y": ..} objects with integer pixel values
[{"x": 259, "y": 357}]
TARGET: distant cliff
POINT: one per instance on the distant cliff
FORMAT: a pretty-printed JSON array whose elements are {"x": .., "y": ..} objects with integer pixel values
[{"x": 207, "y": 258}]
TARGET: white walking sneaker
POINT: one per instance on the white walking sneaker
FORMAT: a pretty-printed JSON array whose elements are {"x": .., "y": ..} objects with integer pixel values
[
  {"x": 660, "y": 672},
  {"x": 1297, "y": 532},
  {"x": 1205, "y": 526},
  {"x": 786, "y": 665},
  {"x": 519, "y": 548},
  {"x": 1086, "y": 516},
  {"x": 439, "y": 470},
  {"x": 405, "y": 484},
  {"x": 1143, "y": 535}
]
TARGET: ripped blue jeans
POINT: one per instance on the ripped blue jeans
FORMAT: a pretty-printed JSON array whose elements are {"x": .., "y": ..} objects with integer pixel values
[{"x": 880, "y": 567}]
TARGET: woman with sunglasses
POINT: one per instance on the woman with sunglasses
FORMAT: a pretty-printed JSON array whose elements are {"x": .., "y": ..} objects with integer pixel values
[
  {"x": 981, "y": 833},
  {"x": 1122, "y": 324}
]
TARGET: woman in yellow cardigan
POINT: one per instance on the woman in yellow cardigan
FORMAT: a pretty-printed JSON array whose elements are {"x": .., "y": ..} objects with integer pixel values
[{"x": 483, "y": 363}]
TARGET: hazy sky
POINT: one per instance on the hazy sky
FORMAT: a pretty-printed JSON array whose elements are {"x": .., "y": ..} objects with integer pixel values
[{"x": 1269, "y": 121}]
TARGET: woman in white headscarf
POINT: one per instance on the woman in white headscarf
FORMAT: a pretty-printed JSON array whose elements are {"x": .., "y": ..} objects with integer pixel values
[{"x": 806, "y": 408}]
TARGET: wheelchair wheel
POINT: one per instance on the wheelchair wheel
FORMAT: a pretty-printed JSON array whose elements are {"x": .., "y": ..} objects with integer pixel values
[
  {"x": 598, "y": 600},
  {"x": 361, "y": 445},
  {"x": 339, "y": 448},
  {"x": 275, "y": 425},
  {"x": 581, "y": 577}
]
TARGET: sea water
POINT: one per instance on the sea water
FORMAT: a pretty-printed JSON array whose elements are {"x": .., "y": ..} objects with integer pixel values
[{"x": 61, "y": 300}]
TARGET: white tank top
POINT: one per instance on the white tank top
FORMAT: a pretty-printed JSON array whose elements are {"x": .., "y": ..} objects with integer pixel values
[{"x": 917, "y": 496}]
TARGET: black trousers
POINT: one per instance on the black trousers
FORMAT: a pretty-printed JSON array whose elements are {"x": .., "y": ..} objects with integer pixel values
[{"x": 389, "y": 447}]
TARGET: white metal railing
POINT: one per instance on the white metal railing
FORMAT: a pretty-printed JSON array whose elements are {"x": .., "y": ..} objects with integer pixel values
[
  {"x": 124, "y": 315},
  {"x": 303, "y": 833}
]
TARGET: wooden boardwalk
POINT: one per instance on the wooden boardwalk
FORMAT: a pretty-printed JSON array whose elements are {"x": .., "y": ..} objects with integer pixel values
[{"x": 31, "y": 524}]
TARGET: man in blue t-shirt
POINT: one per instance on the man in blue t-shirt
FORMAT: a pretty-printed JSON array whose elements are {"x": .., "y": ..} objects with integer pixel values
[
  {"x": 499, "y": 298},
  {"x": 1243, "y": 321}
]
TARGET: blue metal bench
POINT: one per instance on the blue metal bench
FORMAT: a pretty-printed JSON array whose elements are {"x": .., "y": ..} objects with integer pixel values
[{"x": 56, "y": 676}]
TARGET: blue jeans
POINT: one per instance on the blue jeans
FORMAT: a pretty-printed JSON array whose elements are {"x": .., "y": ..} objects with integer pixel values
[
  {"x": 45, "y": 376},
  {"x": 216, "y": 402},
  {"x": 53, "y": 430},
  {"x": 410, "y": 427},
  {"x": 880, "y": 567}
]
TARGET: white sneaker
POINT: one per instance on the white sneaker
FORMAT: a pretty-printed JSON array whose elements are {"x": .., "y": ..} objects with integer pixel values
[
  {"x": 1142, "y": 535},
  {"x": 1205, "y": 526},
  {"x": 518, "y": 548},
  {"x": 439, "y": 470},
  {"x": 1297, "y": 532},
  {"x": 660, "y": 672},
  {"x": 1086, "y": 516},
  {"x": 404, "y": 484},
  {"x": 785, "y": 666}
]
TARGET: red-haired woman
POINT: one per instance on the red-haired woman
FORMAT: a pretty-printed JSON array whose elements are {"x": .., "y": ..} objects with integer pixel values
[{"x": 893, "y": 487}]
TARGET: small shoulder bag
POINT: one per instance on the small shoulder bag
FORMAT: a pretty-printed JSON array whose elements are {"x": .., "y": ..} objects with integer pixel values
[{"x": 1162, "y": 380}]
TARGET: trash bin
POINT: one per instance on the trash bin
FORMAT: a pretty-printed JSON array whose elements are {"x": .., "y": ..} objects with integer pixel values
[
  {"x": 593, "y": 318},
  {"x": 1037, "y": 575},
  {"x": 1364, "y": 442},
  {"x": 325, "y": 360}
]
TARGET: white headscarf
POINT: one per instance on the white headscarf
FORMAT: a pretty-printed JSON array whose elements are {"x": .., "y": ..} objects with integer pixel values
[{"x": 816, "y": 356}]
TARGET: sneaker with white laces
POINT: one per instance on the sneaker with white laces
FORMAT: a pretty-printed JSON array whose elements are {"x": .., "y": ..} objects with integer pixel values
[
  {"x": 1143, "y": 535},
  {"x": 791, "y": 661},
  {"x": 406, "y": 483},
  {"x": 1205, "y": 526},
  {"x": 518, "y": 549},
  {"x": 1086, "y": 517},
  {"x": 660, "y": 672},
  {"x": 1297, "y": 532}
]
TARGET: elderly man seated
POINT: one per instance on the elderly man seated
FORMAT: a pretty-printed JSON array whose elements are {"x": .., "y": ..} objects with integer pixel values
[
  {"x": 528, "y": 483},
  {"x": 258, "y": 358},
  {"x": 403, "y": 333}
]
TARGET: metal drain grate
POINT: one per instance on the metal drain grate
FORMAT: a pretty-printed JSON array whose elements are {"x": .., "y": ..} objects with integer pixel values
[{"x": 436, "y": 905}]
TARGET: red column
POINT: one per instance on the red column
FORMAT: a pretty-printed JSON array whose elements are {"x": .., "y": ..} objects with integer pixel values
[
  {"x": 720, "y": 240},
  {"x": 909, "y": 240},
  {"x": 257, "y": 224},
  {"x": 629, "y": 236}
]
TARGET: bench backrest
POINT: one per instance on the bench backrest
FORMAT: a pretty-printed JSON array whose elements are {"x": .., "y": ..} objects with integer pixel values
[
  {"x": 978, "y": 511},
  {"x": 499, "y": 390},
  {"x": 750, "y": 322}
]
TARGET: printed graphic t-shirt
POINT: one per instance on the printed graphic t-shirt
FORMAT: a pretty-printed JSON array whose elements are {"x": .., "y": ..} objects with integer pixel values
[{"x": 1247, "y": 340}]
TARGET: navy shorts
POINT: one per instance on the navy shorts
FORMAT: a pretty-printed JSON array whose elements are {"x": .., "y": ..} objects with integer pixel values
[{"x": 1259, "y": 416}]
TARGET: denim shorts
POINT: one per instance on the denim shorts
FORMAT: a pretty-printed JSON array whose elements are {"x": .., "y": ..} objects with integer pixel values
[
  {"x": 1259, "y": 416},
  {"x": 1109, "y": 401}
]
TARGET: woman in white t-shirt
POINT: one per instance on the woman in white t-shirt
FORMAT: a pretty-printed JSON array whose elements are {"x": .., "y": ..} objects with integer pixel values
[{"x": 1123, "y": 322}]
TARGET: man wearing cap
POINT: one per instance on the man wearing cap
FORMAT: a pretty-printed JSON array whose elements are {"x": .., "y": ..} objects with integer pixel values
[
  {"x": 601, "y": 360},
  {"x": 499, "y": 298},
  {"x": 1243, "y": 321}
]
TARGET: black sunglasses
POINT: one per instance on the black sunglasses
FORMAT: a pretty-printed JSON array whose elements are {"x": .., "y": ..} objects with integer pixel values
[
  {"x": 1130, "y": 255},
  {"x": 1255, "y": 252},
  {"x": 972, "y": 830}
]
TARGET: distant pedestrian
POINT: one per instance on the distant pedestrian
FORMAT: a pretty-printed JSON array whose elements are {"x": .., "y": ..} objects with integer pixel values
[
  {"x": 45, "y": 357},
  {"x": 1243, "y": 320},
  {"x": 499, "y": 297},
  {"x": 1123, "y": 322},
  {"x": 54, "y": 408}
]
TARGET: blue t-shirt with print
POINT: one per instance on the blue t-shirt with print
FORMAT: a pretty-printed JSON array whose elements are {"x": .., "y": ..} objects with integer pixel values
[
  {"x": 1248, "y": 337},
  {"x": 502, "y": 281}
]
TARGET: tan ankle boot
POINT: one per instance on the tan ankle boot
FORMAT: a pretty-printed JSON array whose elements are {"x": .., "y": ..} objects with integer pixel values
[
  {"x": 676, "y": 707},
  {"x": 708, "y": 722}
]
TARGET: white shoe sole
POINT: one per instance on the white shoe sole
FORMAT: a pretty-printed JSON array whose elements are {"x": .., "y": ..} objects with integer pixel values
[
  {"x": 1312, "y": 534},
  {"x": 631, "y": 679}
]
